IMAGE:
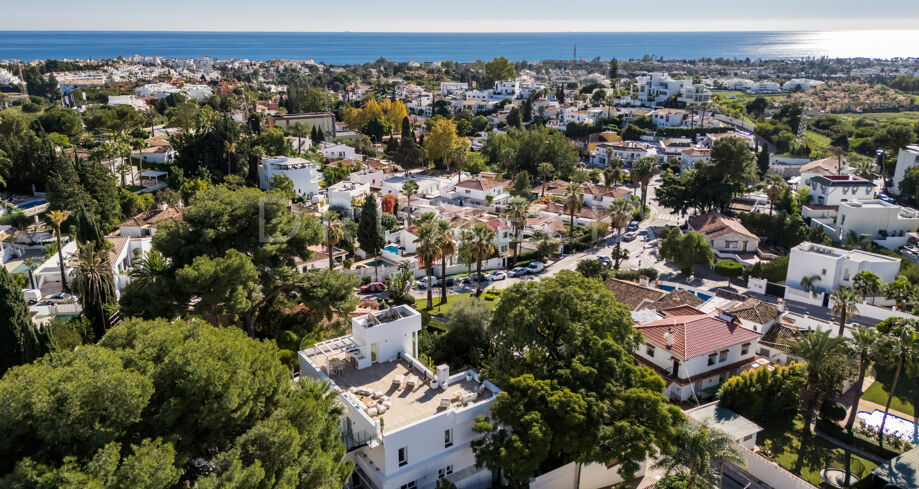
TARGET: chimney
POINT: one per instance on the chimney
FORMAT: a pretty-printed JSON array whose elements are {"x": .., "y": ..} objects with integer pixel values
[
  {"x": 643, "y": 281},
  {"x": 670, "y": 335},
  {"x": 781, "y": 305},
  {"x": 162, "y": 206},
  {"x": 443, "y": 375}
]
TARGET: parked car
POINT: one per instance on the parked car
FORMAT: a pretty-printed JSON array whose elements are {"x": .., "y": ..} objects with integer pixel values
[
  {"x": 373, "y": 287},
  {"x": 60, "y": 298},
  {"x": 423, "y": 282},
  {"x": 603, "y": 258},
  {"x": 629, "y": 237},
  {"x": 536, "y": 266},
  {"x": 517, "y": 272},
  {"x": 475, "y": 277},
  {"x": 494, "y": 276},
  {"x": 633, "y": 226},
  {"x": 451, "y": 281}
]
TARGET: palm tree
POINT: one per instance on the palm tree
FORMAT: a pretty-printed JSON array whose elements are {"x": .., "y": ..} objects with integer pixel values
[
  {"x": 838, "y": 153},
  {"x": 697, "y": 449},
  {"x": 863, "y": 345},
  {"x": 620, "y": 213},
  {"x": 428, "y": 251},
  {"x": 516, "y": 211},
  {"x": 643, "y": 170},
  {"x": 545, "y": 245},
  {"x": 481, "y": 243},
  {"x": 692, "y": 108},
  {"x": 447, "y": 244},
  {"x": 844, "y": 305},
  {"x": 57, "y": 218},
  {"x": 574, "y": 202},
  {"x": 612, "y": 174},
  {"x": 334, "y": 232},
  {"x": 854, "y": 240},
  {"x": 899, "y": 347},
  {"x": 819, "y": 351},
  {"x": 31, "y": 264},
  {"x": 299, "y": 130},
  {"x": 809, "y": 283},
  {"x": 149, "y": 268},
  {"x": 867, "y": 283},
  {"x": 775, "y": 188},
  {"x": 410, "y": 188},
  {"x": 865, "y": 169},
  {"x": 95, "y": 285},
  {"x": 545, "y": 171}
]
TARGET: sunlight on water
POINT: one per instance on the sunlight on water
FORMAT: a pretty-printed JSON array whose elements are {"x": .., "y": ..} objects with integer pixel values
[{"x": 848, "y": 44}]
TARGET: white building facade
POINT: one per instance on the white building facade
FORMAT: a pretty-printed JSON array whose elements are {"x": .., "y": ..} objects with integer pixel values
[
  {"x": 832, "y": 268},
  {"x": 304, "y": 173}
]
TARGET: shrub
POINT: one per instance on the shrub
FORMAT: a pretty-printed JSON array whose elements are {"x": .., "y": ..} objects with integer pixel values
[
  {"x": 651, "y": 273},
  {"x": 406, "y": 299},
  {"x": 773, "y": 271},
  {"x": 832, "y": 411},
  {"x": 31, "y": 108},
  {"x": 764, "y": 394},
  {"x": 366, "y": 279}
]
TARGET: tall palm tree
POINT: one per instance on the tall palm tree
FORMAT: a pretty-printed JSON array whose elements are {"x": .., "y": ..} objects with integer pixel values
[
  {"x": 31, "y": 264},
  {"x": 409, "y": 189},
  {"x": 838, "y": 153},
  {"x": 545, "y": 245},
  {"x": 697, "y": 449},
  {"x": 428, "y": 251},
  {"x": 612, "y": 174},
  {"x": 95, "y": 285},
  {"x": 545, "y": 171},
  {"x": 898, "y": 347},
  {"x": 481, "y": 243},
  {"x": 854, "y": 240},
  {"x": 334, "y": 232},
  {"x": 149, "y": 268},
  {"x": 574, "y": 202},
  {"x": 865, "y": 169},
  {"x": 57, "y": 218},
  {"x": 643, "y": 170},
  {"x": 863, "y": 345},
  {"x": 819, "y": 351},
  {"x": 844, "y": 305},
  {"x": 809, "y": 283},
  {"x": 620, "y": 213},
  {"x": 447, "y": 244},
  {"x": 299, "y": 129},
  {"x": 775, "y": 188},
  {"x": 516, "y": 211},
  {"x": 867, "y": 284}
]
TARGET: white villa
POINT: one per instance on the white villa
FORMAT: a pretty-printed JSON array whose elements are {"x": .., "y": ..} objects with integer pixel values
[
  {"x": 835, "y": 267},
  {"x": 405, "y": 427},
  {"x": 344, "y": 193},
  {"x": 906, "y": 159},
  {"x": 834, "y": 189},
  {"x": 304, "y": 173},
  {"x": 882, "y": 222},
  {"x": 337, "y": 151}
]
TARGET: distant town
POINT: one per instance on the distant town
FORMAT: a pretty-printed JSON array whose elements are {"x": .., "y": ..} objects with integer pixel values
[{"x": 415, "y": 275}]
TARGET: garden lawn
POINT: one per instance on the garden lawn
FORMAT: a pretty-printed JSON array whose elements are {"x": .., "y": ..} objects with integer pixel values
[
  {"x": 451, "y": 299},
  {"x": 907, "y": 395},
  {"x": 782, "y": 443}
]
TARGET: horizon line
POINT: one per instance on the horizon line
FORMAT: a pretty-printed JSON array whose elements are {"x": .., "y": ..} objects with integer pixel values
[{"x": 216, "y": 31}]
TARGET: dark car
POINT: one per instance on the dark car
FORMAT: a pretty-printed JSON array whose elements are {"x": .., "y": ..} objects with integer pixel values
[
  {"x": 633, "y": 226},
  {"x": 450, "y": 281},
  {"x": 373, "y": 287}
]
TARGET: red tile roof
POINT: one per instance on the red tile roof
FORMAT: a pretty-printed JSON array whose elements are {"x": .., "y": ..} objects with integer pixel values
[
  {"x": 713, "y": 224},
  {"x": 695, "y": 335},
  {"x": 480, "y": 184}
]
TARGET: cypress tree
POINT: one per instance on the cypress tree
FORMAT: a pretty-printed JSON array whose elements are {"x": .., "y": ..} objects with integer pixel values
[
  {"x": 19, "y": 340},
  {"x": 762, "y": 161},
  {"x": 406, "y": 127},
  {"x": 369, "y": 232},
  {"x": 88, "y": 230}
]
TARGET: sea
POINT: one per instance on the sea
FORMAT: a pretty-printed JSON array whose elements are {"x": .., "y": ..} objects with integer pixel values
[{"x": 356, "y": 47}]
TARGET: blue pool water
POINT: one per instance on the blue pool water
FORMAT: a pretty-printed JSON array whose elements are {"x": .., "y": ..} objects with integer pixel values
[
  {"x": 377, "y": 263},
  {"x": 700, "y": 295},
  {"x": 392, "y": 249},
  {"x": 29, "y": 205}
]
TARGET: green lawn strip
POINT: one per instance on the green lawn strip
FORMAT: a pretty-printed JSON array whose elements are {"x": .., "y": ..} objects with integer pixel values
[
  {"x": 782, "y": 442},
  {"x": 451, "y": 299},
  {"x": 906, "y": 397}
]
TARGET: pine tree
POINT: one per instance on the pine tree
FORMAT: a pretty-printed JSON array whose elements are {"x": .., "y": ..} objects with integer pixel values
[
  {"x": 369, "y": 232},
  {"x": 19, "y": 341}
]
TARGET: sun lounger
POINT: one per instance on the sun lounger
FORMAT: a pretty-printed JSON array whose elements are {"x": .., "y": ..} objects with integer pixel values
[{"x": 398, "y": 381}]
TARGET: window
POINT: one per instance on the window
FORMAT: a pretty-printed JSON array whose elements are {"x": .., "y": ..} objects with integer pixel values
[
  {"x": 410, "y": 485},
  {"x": 650, "y": 351},
  {"x": 403, "y": 456},
  {"x": 730, "y": 244},
  {"x": 744, "y": 348},
  {"x": 722, "y": 356},
  {"x": 448, "y": 438},
  {"x": 843, "y": 220},
  {"x": 823, "y": 272},
  {"x": 441, "y": 473},
  {"x": 748, "y": 438},
  {"x": 711, "y": 359}
]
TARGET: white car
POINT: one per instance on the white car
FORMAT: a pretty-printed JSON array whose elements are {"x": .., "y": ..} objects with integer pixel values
[
  {"x": 423, "y": 282},
  {"x": 517, "y": 272},
  {"x": 536, "y": 267},
  {"x": 495, "y": 276}
]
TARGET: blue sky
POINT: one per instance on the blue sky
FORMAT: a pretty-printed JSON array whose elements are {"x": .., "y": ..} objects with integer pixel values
[{"x": 465, "y": 16}]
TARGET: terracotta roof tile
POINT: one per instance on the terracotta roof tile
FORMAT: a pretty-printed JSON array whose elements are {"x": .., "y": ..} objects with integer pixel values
[
  {"x": 480, "y": 184},
  {"x": 756, "y": 311},
  {"x": 632, "y": 294},
  {"x": 713, "y": 224},
  {"x": 695, "y": 335}
]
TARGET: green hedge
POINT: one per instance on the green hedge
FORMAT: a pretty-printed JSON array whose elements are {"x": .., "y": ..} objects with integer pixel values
[
  {"x": 689, "y": 132},
  {"x": 855, "y": 439}
]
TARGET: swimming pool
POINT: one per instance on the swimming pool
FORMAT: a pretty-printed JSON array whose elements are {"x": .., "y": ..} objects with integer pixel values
[
  {"x": 392, "y": 249},
  {"x": 895, "y": 425},
  {"x": 31, "y": 204},
  {"x": 700, "y": 295},
  {"x": 377, "y": 263}
]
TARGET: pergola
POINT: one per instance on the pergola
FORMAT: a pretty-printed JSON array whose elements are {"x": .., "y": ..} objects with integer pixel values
[{"x": 329, "y": 348}]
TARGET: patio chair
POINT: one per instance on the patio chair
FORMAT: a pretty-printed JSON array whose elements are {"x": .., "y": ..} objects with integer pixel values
[
  {"x": 411, "y": 382},
  {"x": 445, "y": 402},
  {"x": 398, "y": 381},
  {"x": 372, "y": 411},
  {"x": 381, "y": 408}
]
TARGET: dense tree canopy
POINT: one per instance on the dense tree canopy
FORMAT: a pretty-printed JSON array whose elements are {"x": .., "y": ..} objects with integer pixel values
[{"x": 159, "y": 405}]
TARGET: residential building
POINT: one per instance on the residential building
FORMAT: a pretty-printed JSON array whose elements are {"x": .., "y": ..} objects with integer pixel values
[
  {"x": 304, "y": 174},
  {"x": 696, "y": 352},
  {"x": 642, "y": 297},
  {"x": 603, "y": 195},
  {"x": 453, "y": 88},
  {"x": 337, "y": 151},
  {"x": 507, "y": 88},
  {"x": 368, "y": 175},
  {"x": 766, "y": 87},
  {"x": 628, "y": 151},
  {"x": 803, "y": 84},
  {"x": 668, "y": 117},
  {"x": 323, "y": 121},
  {"x": 345, "y": 193},
  {"x": 885, "y": 223},
  {"x": 834, "y": 189},
  {"x": 131, "y": 100},
  {"x": 482, "y": 192},
  {"x": 146, "y": 223},
  {"x": 690, "y": 156},
  {"x": 738, "y": 428},
  {"x": 822, "y": 167},
  {"x": 728, "y": 237},
  {"x": 404, "y": 426},
  {"x": 906, "y": 159},
  {"x": 657, "y": 88},
  {"x": 832, "y": 268}
]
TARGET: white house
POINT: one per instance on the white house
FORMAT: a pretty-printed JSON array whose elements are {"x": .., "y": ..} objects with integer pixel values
[
  {"x": 906, "y": 159},
  {"x": 668, "y": 117},
  {"x": 405, "y": 427},
  {"x": 453, "y": 88},
  {"x": 689, "y": 156},
  {"x": 738, "y": 428},
  {"x": 368, "y": 175},
  {"x": 801, "y": 84},
  {"x": 482, "y": 192},
  {"x": 304, "y": 173},
  {"x": 337, "y": 151},
  {"x": 343, "y": 193},
  {"x": 834, "y": 267},
  {"x": 885, "y": 223},
  {"x": 657, "y": 88},
  {"x": 834, "y": 189},
  {"x": 822, "y": 167},
  {"x": 695, "y": 353},
  {"x": 728, "y": 237},
  {"x": 131, "y": 100},
  {"x": 507, "y": 88},
  {"x": 146, "y": 223},
  {"x": 628, "y": 151},
  {"x": 428, "y": 186},
  {"x": 603, "y": 195},
  {"x": 765, "y": 87}
]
